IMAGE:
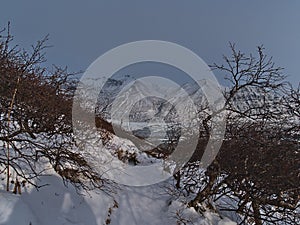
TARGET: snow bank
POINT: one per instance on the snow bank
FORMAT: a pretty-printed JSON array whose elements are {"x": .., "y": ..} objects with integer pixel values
[{"x": 57, "y": 204}]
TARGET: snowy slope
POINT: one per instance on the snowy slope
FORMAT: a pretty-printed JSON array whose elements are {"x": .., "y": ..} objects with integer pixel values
[
  {"x": 57, "y": 204},
  {"x": 54, "y": 204}
]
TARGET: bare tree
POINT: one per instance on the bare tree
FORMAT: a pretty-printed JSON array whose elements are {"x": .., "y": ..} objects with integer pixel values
[
  {"x": 36, "y": 120},
  {"x": 257, "y": 167}
]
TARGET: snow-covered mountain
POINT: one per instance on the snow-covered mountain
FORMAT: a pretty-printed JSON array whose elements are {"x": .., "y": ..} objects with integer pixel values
[
  {"x": 146, "y": 101},
  {"x": 139, "y": 89},
  {"x": 152, "y": 98},
  {"x": 257, "y": 99},
  {"x": 140, "y": 102}
]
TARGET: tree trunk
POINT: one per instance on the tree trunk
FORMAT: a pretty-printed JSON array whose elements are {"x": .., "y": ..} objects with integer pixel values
[
  {"x": 8, "y": 124},
  {"x": 256, "y": 213},
  {"x": 201, "y": 195}
]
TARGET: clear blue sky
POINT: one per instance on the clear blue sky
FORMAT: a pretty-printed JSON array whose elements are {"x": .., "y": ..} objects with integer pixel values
[{"x": 80, "y": 31}]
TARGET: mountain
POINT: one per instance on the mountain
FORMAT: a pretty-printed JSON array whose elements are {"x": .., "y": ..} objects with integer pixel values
[
  {"x": 257, "y": 99},
  {"x": 145, "y": 101}
]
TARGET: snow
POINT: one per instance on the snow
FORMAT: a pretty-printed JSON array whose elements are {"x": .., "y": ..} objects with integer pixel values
[
  {"x": 53, "y": 204},
  {"x": 63, "y": 205},
  {"x": 57, "y": 204},
  {"x": 14, "y": 211}
]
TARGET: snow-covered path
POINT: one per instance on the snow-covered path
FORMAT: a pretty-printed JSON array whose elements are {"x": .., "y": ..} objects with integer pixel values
[{"x": 57, "y": 204}]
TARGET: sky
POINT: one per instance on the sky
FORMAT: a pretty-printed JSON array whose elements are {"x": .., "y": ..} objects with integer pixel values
[{"x": 81, "y": 31}]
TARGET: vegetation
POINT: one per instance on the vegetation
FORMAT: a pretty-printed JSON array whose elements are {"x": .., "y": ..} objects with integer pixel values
[
  {"x": 36, "y": 120},
  {"x": 257, "y": 167}
]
